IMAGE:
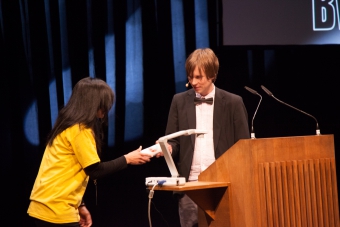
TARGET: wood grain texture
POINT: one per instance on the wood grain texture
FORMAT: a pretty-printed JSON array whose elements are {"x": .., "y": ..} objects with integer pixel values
[
  {"x": 280, "y": 182},
  {"x": 270, "y": 182}
]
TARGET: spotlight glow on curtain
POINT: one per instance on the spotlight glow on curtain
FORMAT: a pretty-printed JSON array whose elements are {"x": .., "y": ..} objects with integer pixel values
[
  {"x": 134, "y": 73},
  {"x": 66, "y": 73},
  {"x": 31, "y": 125},
  {"x": 201, "y": 24},
  {"x": 52, "y": 86},
  {"x": 110, "y": 63},
  {"x": 53, "y": 101},
  {"x": 89, "y": 37},
  {"x": 178, "y": 42}
]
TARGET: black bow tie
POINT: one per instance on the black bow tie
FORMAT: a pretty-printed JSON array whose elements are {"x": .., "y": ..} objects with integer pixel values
[{"x": 200, "y": 101}]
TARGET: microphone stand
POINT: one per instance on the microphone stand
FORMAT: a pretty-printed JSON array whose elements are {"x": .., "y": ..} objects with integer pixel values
[
  {"x": 252, "y": 134},
  {"x": 271, "y": 94}
]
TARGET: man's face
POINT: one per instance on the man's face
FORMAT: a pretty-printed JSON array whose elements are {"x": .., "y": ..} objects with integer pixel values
[{"x": 200, "y": 82}]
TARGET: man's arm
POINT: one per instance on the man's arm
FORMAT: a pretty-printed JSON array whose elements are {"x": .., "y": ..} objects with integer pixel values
[
  {"x": 172, "y": 126},
  {"x": 241, "y": 121}
]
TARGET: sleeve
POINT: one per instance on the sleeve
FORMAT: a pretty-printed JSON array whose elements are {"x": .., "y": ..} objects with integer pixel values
[
  {"x": 172, "y": 126},
  {"x": 99, "y": 170},
  {"x": 241, "y": 121},
  {"x": 84, "y": 147}
]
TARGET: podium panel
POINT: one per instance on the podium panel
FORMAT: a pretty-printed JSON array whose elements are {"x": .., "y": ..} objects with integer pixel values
[
  {"x": 269, "y": 182},
  {"x": 278, "y": 182}
]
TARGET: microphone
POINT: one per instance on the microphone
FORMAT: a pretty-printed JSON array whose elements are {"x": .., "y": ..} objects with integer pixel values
[
  {"x": 271, "y": 94},
  {"x": 187, "y": 84},
  {"x": 252, "y": 134}
]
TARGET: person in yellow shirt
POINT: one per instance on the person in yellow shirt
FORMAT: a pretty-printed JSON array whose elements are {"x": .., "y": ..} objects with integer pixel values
[{"x": 72, "y": 156}]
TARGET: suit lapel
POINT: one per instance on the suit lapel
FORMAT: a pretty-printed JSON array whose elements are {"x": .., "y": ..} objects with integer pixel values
[
  {"x": 218, "y": 112},
  {"x": 191, "y": 112}
]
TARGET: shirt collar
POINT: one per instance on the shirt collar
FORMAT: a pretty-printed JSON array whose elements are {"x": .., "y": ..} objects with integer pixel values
[{"x": 210, "y": 95}]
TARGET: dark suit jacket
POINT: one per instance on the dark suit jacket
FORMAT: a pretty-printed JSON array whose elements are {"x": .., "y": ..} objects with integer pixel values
[{"x": 230, "y": 124}]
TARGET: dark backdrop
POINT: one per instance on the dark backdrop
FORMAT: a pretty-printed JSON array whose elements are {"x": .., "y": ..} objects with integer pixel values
[{"x": 303, "y": 76}]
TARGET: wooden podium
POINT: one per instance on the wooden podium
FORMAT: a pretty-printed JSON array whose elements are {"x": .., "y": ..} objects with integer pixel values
[{"x": 274, "y": 182}]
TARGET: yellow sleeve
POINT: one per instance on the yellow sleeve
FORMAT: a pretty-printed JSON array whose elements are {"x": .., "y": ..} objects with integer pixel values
[{"x": 84, "y": 147}]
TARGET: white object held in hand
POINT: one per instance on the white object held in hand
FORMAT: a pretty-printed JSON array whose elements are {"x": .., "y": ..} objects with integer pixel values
[{"x": 153, "y": 150}]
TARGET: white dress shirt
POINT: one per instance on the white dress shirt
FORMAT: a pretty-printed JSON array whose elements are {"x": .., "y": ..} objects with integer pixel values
[{"x": 204, "y": 154}]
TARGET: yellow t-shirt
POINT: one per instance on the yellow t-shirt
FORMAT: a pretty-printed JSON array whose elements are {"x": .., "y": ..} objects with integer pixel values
[{"x": 61, "y": 181}]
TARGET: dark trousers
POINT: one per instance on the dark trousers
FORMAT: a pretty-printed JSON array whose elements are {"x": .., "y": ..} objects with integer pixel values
[
  {"x": 41, "y": 223},
  {"x": 188, "y": 213}
]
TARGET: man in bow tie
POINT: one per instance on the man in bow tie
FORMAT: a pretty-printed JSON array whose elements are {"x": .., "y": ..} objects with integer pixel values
[{"x": 206, "y": 107}]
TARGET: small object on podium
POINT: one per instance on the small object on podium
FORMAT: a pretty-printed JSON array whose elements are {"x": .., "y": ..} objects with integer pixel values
[
  {"x": 156, "y": 148},
  {"x": 169, "y": 181},
  {"x": 175, "y": 179}
]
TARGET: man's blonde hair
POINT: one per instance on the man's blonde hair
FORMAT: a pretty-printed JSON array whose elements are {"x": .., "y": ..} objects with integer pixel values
[{"x": 206, "y": 60}]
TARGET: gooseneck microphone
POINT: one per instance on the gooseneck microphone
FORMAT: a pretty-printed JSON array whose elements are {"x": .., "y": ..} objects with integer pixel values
[
  {"x": 271, "y": 94},
  {"x": 252, "y": 134}
]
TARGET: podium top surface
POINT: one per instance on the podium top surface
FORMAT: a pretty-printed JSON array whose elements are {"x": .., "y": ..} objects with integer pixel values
[{"x": 194, "y": 185}]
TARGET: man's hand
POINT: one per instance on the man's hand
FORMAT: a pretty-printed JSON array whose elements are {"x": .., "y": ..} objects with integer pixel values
[
  {"x": 137, "y": 158},
  {"x": 161, "y": 153},
  {"x": 85, "y": 217}
]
